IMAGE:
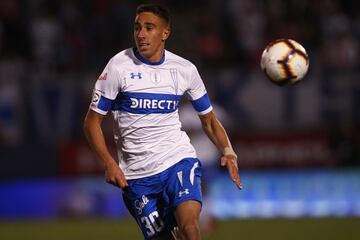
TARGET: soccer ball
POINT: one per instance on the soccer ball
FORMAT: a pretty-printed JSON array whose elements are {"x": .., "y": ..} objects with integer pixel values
[{"x": 284, "y": 61}]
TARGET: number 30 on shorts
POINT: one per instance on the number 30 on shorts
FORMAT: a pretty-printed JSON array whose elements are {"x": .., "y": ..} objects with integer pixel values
[{"x": 153, "y": 223}]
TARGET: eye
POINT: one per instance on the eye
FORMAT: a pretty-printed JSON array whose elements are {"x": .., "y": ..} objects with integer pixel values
[{"x": 136, "y": 28}]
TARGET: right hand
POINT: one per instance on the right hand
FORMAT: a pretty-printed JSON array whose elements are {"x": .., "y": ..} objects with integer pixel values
[{"x": 115, "y": 176}]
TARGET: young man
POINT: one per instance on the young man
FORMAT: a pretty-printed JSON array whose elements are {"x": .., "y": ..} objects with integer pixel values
[{"x": 158, "y": 171}]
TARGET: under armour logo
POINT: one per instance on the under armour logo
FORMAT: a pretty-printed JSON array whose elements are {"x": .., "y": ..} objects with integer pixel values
[
  {"x": 133, "y": 75},
  {"x": 186, "y": 191}
]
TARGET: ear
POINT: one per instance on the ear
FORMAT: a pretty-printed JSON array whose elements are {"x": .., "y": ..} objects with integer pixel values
[{"x": 166, "y": 34}]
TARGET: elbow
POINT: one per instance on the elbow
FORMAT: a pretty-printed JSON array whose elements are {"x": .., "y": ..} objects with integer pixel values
[
  {"x": 91, "y": 123},
  {"x": 207, "y": 122},
  {"x": 206, "y": 127},
  {"x": 86, "y": 126}
]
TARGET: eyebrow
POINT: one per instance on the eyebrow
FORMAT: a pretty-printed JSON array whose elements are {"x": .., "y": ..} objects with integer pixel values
[{"x": 146, "y": 24}]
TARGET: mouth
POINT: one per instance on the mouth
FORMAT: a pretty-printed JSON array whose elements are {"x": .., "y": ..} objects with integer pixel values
[{"x": 143, "y": 46}]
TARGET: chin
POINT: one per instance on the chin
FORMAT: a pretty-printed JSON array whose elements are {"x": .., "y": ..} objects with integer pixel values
[{"x": 145, "y": 54}]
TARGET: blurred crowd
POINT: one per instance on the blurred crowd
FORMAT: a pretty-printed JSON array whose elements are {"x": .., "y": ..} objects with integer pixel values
[{"x": 51, "y": 53}]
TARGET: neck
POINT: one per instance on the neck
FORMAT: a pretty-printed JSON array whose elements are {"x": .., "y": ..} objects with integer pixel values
[{"x": 153, "y": 60}]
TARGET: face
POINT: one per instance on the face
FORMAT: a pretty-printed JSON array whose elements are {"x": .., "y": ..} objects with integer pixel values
[{"x": 150, "y": 33}]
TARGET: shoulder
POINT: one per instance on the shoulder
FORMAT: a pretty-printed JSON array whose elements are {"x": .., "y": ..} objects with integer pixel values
[
  {"x": 173, "y": 59},
  {"x": 121, "y": 58}
]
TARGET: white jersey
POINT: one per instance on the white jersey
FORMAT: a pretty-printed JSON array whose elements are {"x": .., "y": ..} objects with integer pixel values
[{"x": 144, "y": 99}]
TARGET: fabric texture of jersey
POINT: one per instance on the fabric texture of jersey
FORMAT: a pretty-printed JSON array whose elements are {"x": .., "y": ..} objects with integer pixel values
[
  {"x": 151, "y": 200},
  {"x": 144, "y": 99}
]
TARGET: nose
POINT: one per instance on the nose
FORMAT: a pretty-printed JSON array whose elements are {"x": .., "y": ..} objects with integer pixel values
[{"x": 141, "y": 33}]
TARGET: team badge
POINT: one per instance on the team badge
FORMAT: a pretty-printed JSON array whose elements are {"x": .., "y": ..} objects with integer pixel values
[
  {"x": 96, "y": 97},
  {"x": 155, "y": 77}
]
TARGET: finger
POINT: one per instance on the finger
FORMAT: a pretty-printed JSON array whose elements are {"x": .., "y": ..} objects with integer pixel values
[
  {"x": 234, "y": 173},
  {"x": 234, "y": 176},
  {"x": 223, "y": 161},
  {"x": 236, "y": 180},
  {"x": 115, "y": 181},
  {"x": 122, "y": 183},
  {"x": 112, "y": 182},
  {"x": 239, "y": 186},
  {"x": 232, "y": 168},
  {"x": 234, "y": 162}
]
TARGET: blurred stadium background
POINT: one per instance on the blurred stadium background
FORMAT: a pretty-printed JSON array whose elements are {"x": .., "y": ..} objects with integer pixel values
[{"x": 298, "y": 146}]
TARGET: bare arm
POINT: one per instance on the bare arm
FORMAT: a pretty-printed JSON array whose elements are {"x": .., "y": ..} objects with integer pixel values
[
  {"x": 95, "y": 137},
  {"x": 217, "y": 134}
]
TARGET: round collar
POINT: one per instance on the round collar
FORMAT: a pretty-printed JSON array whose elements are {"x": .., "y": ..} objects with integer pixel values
[{"x": 143, "y": 60}]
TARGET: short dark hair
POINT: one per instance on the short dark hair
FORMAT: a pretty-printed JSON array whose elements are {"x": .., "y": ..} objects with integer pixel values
[{"x": 158, "y": 10}]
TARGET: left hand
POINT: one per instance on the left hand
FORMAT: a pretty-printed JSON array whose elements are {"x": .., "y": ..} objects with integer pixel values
[{"x": 230, "y": 161}]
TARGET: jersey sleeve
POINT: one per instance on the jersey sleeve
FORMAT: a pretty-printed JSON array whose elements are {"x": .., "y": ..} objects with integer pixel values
[
  {"x": 197, "y": 93},
  {"x": 106, "y": 89}
]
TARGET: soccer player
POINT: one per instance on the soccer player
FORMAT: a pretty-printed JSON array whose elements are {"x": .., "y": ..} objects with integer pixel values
[{"x": 158, "y": 171}]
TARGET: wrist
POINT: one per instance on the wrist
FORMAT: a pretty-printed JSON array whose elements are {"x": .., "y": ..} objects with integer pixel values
[
  {"x": 229, "y": 151},
  {"x": 110, "y": 163}
]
